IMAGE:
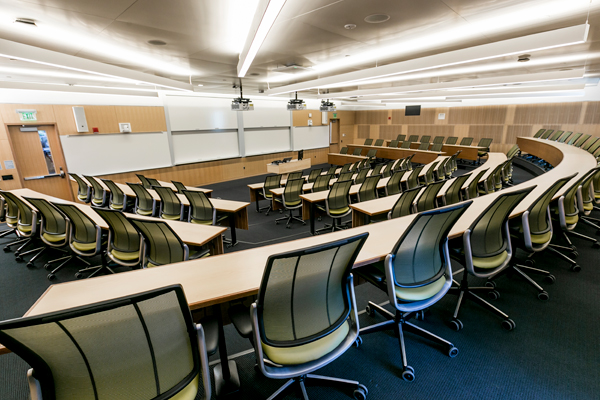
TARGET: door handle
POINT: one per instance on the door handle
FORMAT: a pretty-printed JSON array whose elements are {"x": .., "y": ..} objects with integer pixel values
[{"x": 62, "y": 173}]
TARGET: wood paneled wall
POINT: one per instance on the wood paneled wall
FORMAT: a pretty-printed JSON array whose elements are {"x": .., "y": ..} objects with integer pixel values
[
  {"x": 502, "y": 123},
  {"x": 201, "y": 174}
]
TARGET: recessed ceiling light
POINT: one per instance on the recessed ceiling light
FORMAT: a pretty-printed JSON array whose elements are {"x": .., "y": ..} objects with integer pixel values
[
  {"x": 377, "y": 18},
  {"x": 350, "y": 26},
  {"x": 156, "y": 42}
]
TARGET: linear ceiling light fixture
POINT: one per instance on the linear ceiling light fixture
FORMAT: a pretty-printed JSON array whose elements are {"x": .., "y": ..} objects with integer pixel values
[
  {"x": 266, "y": 14},
  {"x": 525, "y": 44}
]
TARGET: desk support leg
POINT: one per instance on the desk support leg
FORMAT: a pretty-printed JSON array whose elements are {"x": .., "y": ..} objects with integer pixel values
[
  {"x": 232, "y": 227},
  {"x": 227, "y": 380},
  {"x": 313, "y": 210}
]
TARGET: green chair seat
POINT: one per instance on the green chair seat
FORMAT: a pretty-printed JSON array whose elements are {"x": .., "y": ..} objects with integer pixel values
[
  {"x": 421, "y": 292},
  {"x": 144, "y": 212},
  {"x": 571, "y": 219},
  {"x": 201, "y": 222},
  {"x": 82, "y": 197},
  {"x": 125, "y": 255},
  {"x": 541, "y": 238},
  {"x": 308, "y": 352},
  {"x": 24, "y": 228},
  {"x": 11, "y": 221},
  {"x": 339, "y": 211},
  {"x": 171, "y": 217},
  {"x": 54, "y": 238},
  {"x": 588, "y": 206},
  {"x": 490, "y": 262},
  {"x": 97, "y": 201},
  {"x": 85, "y": 247},
  {"x": 116, "y": 206}
]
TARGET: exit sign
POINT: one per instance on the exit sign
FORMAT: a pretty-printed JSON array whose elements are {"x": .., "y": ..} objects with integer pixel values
[
  {"x": 27, "y": 115},
  {"x": 334, "y": 115}
]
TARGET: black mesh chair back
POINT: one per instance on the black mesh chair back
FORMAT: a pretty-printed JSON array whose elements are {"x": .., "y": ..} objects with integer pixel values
[
  {"x": 401, "y": 138},
  {"x": 345, "y": 168},
  {"x": 454, "y": 194},
  {"x": 27, "y": 220},
  {"x": 421, "y": 256},
  {"x": 393, "y": 184},
  {"x": 539, "y": 133},
  {"x": 163, "y": 246},
  {"x": 443, "y": 169},
  {"x": 85, "y": 235},
  {"x": 405, "y": 145},
  {"x": 344, "y": 150},
  {"x": 429, "y": 179},
  {"x": 591, "y": 142},
  {"x": 84, "y": 191},
  {"x": 305, "y": 295},
  {"x": 428, "y": 199},
  {"x": 379, "y": 142},
  {"x": 413, "y": 138},
  {"x": 332, "y": 170},
  {"x": 387, "y": 171},
  {"x": 271, "y": 182},
  {"x": 294, "y": 175},
  {"x": 571, "y": 209},
  {"x": 372, "y": 153},
  {"x": 407, "y": 163},
  {"x": 322, "y": 183},
  {"x": 451, "y": 140},
  {"x": 53, "y": 222},
  {"x": 488, "y": 235},
  {"x": 144, "y": 202},
  {"x": 582, "y": 140},
  {"x": 393, "y": 143},
  {"x": 573, "y": 138},
  {"x": 436, "y": 147},
  {"x": 314, "y": 174},
  {"x": 138, "y": 347},
  {"x": 423, "y": 146},
  {"x": 170, "y": 205},
  {"x": 201, "y": 209},
  {"x": 485, "y": 142},
  {"x": 438, "y": 140},
  {"x": 144, "y": 181},
  {"x": 564, "y": 137},
  {"x": 547, "y": 134},
  {"x": 357, "y": 151},
  {"x": 425, "y": 139},
  {"x": 338, "y": 198},
  {"x": 346, "y": 176},
  {"x": 292, "y": 192},
  {"x": 368, "y": 142},
  {"x": 592, "y": 149},
  {"x": 413, "y": 179},
  {"x": 123, "y": 239},
  {"x": 179, "y": 186},
  {"x": 361, "y": 176},
  {"x": 11, "y": 214},
  {"x": 117, "y": 199},
  {"x": 98, "y": 192},
  {"x": 368, "y": 190},
  {"x": 377, "y": 169},
  {"x": 466, "y": 141},
  {"x": 512, "y": 151},
  {"x": 556, "y": 135},
  {"x": 153, "y": 182},
  {"x": 472, "y": 190},
  {"x": 405, "y": 204}
]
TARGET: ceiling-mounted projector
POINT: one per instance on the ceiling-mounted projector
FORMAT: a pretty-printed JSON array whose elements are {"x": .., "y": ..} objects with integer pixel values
[
  {"x": 327, "y": 106},
  {"x": 296, "y": 104},
  {"x": 242, "y": 104}
]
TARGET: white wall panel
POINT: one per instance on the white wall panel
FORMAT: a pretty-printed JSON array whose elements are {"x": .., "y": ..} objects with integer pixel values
[
  {"x": 311, "y": 137},
  {"x": 267, "y": 141},
  {"x": 267, "y": 114},
  {"x": 192, "y": 147},
  {"x": 188, "y": 113}
]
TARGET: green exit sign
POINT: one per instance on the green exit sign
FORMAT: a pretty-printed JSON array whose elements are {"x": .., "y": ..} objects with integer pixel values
[
  {"x": 334, "y": 115},
  {"x": 27, "y": 115}
]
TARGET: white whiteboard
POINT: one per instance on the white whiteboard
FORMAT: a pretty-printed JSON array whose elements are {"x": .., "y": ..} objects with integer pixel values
[
  {"x": 267, "y": 113},
  {"x": 311, "y": 137},
  {"x": 192, "y": 147},
  {"x": 267, "y": 141},
  {"x": 188, "y": 113},
  {"x": 109, "y": 154}
]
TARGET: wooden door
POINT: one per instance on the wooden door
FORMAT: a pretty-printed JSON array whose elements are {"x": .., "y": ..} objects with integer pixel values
[
  {"x": 39, "y": 159},
  {"x": 334, "y": 135}
]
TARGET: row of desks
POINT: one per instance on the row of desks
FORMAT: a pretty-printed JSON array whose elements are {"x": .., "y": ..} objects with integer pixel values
[
  {"x": 466, "y": 152},
  {"x": 226, "y": 277}
]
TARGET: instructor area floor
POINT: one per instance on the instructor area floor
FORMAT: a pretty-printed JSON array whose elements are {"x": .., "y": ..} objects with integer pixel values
[{"x": 552, "y": 354}]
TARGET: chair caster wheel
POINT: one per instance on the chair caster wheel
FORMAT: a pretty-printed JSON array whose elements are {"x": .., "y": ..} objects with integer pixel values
[
  {"x": 47, "y": 267},
  {"x": 596, "y": 245},
  {"x": 29, "y": 264},
  {"x": 288, "y": 227},
  {"x": 456, "y": 324},
  {"x": 408, "y": 374},
  {"x": 6, "y": 249},
  {"x": 370, "y": 310},
  {"x": 51, "y": 277},
  {"x": 575, "y": 268},
  {"x": 543, "y": 295},
  {"x": 452, "y": 352},
  {"x": 550, "y": 279},
  {"x": 509, "y": 324},
  {"x": 494, "y": 294},
  {"x": 361, "y": 392},
  {"x": 574, "y": 254},
  {"x": 358, "y": 342},
  {"x": 529, "y": 262},
  {"x": 17, "y": 253},
  {"x": 19, "y": 258},
  {"x": 78, "y": 275},
  {"x": 573, "y": 247},
  {"x": 491, "y": 284}
]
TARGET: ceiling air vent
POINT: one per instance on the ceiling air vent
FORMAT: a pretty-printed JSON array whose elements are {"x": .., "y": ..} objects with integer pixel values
[{"x": 26, "y": 21}]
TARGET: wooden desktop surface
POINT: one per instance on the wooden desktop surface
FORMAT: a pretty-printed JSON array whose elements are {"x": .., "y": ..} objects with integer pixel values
[
  {"x": 341, "y": 159},
  {"x": 466, "y": 152},
  {"x": 235, "y": 275}
]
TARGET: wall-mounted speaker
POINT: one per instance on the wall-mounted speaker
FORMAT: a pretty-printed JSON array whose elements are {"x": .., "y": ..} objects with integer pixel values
[{"x": 80, "y": 119}]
